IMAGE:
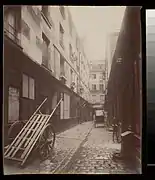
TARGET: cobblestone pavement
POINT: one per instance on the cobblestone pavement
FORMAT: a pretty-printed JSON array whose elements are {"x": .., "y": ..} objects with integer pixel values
[
  {"x": 66, "y": 145},
  {"x": 95, "y": 156}
]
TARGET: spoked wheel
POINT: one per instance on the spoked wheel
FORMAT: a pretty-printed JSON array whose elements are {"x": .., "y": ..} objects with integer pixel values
[
  {"x": 14, "y": 130},
  {"x": 46, "y": 142}
]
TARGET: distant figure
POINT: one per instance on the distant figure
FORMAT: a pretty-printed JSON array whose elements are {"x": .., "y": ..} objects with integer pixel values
[
  {"x": 94, "y": 117},
  {"x": 114, "y": 124}
]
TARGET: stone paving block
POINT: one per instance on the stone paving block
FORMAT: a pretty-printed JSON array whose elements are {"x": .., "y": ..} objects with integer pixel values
[{"x": 96, "y": 154}]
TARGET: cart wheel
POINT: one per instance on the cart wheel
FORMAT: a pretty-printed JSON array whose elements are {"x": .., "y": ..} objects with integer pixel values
[
  {"x": 46, "y": 142},
  {"x": 14, "y": 130}
]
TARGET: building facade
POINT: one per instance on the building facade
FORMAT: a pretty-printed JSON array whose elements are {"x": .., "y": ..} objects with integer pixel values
[
  {"x": 43, "y": 57},
  {"x": 97, "y": 81},
  {"x": 124, "y": 94}
]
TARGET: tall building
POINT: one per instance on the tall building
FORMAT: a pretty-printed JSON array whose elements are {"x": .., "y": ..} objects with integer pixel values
[
  {"x": 43, "y": 57},
  {"x": 97, "y": 81},
  {"x": 124, "y": 93}
]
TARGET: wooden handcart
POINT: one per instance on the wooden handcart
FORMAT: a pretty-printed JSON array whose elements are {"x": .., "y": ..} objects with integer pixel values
[{"x": 36, "y": 133}]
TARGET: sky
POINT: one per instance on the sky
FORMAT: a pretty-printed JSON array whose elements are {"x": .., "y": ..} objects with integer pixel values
[{"x": 93, "y": 23}]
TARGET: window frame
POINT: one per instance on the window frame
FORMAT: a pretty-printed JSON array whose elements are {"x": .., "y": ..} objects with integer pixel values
[
  {"x": 28, "y": 29},
  {"x": 62, "y": 11},
  {"x": 101, "y": 85},
  {"x": 61, "y": 35},
  {"x": 94, "y": 85},
  {"x": 28, "y": 96},
  {"x": 93, "y": 76}
]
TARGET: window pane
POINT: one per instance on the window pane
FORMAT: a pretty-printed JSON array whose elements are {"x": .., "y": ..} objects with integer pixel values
[
  {"x": 25, "y": 29},
  {"x": 25, "y": 86},
  {"x": 101, "y": 97},
  {"x": 31, "y": 88}
]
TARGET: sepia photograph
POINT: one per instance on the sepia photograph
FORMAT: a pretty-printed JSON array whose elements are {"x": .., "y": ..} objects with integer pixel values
[{"x": 72, "y": 101}]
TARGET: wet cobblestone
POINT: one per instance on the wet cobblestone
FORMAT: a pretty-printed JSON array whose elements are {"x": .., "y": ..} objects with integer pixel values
[
  {"x": 95, "y": 156},
  {"x": 66, "y": 142}
]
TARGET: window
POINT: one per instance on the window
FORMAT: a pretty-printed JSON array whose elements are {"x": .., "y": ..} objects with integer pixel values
[
  {"x": 10, "y": 25},
  {"x": 70, "y": 24},
  {"x": 61, "y": 36},
  {"x": 38, "y": 42},
  {"x": 28, "y": 87},
  {"x": 100, "y": 66},
  {"x": 62, "y": 10},
  {"x": 101, "y": 76},
  {"x": 94, "y": 97},
  {"x": 45, "y": 11},
  {"x": 93, "y": 87},
  {"x": 25, "y": 30},
  {"x": 101, "y": 87},
  {"x": 65, "y": 107},
  {"x": 71, "y": 75},
  {"x": 62, "y": 66},
  {"x": 101, "y": 97},
  {"x": 45, "y": 54},
  {"x": 46, "y": 16},
  {"x": 93, "y": 76},
  {"x": 35, "y": 14}
]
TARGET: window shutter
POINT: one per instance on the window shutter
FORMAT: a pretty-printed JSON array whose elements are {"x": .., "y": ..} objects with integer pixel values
[
  {"x": 25, "y": 86},
  {"x": 31, "y": 88}
]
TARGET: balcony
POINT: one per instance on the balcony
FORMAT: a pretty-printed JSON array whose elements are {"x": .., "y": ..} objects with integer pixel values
[{"x": 12, "y": 33}]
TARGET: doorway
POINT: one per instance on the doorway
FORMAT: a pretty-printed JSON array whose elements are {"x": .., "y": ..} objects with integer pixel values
[{"x": 13, "y": 109}]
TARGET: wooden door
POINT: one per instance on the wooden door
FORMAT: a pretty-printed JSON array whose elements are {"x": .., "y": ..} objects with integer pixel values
[{"x": 13, "y": 109}]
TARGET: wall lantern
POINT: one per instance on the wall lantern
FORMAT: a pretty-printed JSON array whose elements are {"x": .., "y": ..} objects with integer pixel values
[{"x": 119, "y": 60}]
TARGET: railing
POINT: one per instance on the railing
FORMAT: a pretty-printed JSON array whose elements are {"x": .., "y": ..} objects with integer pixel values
[{"x": 12, "y": 33}]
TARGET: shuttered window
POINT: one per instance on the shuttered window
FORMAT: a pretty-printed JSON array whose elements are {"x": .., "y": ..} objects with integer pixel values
[
  {"x": 65, "y": 107},
  {"x": 28, "y": 87},
  {"x": 25, "y": 30},
  {"x": 25, "y": 86}
]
